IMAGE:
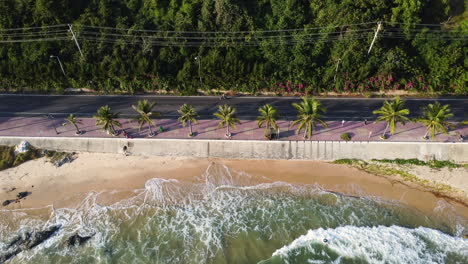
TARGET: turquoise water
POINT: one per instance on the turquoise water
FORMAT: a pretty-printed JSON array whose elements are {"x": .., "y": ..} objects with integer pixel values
[{"x": 229, "y": 217}]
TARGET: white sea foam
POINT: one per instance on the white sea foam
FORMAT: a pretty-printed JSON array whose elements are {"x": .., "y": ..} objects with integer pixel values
[
  {"x": 381, "y": 244},
  {"x": 175, "y": 221}
]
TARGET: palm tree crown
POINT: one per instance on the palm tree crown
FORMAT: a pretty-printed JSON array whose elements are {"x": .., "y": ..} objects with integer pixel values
[
  {"x": 188, "y": 115},
  {"x": 71, "y": 119},
  {"x": 268, "y": 116},
  {"x": 392, "y": 112},
  {"x": 105, "y": 118},
  {"x": 434, "y": 118},
  {"x": 145, "y": 114},
  {"x": 228, "y": 117},
  {"x": 310, "y": 111}
]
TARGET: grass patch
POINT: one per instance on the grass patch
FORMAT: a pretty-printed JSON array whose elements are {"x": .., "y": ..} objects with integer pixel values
[
  {"x": 384, "y": 170},
  {"x": 434, "y": 164},
  {"x": 8, "y": 158},
  {"x": 348, "y": 161},
  {"x": 56, "y": 157}
]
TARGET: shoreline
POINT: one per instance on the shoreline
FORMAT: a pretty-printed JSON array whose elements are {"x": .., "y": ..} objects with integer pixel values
[
  {"x": 445, "y": 182},
  {"x": 118, "y": 177}
]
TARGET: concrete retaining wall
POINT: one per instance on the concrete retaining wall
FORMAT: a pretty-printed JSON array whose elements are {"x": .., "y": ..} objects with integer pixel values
[{"x": 249, "y": 149}]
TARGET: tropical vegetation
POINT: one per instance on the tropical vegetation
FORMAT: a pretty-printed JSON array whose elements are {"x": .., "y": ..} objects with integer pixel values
[
  {"x": 227, "y": 116},
  {"x": 310, "y": 111},
  {"x": 268, "y": 116},
  {"x": 276, "y": 46},
  {"x": 106, "y": 119},
  {"x": 435, "y": 119},
  {"x": 188, "y": 115},
  {"x": 145, "y": 114},
  {"x": 392, "y": 113},
  {"x": 72, "y": 120}
]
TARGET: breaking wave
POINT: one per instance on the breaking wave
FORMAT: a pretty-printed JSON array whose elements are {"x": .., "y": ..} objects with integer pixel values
[{"x": 227, "y": 216}]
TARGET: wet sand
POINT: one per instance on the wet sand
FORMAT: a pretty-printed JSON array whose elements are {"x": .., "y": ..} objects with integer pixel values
[{"x": 118, "y": 177}]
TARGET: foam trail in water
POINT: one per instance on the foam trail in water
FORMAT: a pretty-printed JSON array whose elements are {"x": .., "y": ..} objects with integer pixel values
[{"x": 379, "y": 244}]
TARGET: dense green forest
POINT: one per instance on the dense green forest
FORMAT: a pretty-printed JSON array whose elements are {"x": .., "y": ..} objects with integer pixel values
[{"x": 280, "y": 46}]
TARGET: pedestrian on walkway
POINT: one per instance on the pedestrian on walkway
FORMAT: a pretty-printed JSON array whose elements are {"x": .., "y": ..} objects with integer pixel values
[
  {"x": 342, "y": 122},
  {"x": 370, "y": 134},
  {"x": 365, "y": 122}
]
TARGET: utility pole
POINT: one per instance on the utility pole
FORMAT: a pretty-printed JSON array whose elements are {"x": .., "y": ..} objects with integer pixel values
[
  {"x": 199, "y": 69},
  {"x": 336, "y": 70},
  {"x": 74, "y": 38},
  {"x": 60, "y": 63},
  {"x": 379, "y": 26}
]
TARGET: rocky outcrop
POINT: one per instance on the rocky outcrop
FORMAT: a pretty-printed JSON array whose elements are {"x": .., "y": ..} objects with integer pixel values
[
  {"x": 27, "y": 241},
  {"x": 77, "y": 240}
]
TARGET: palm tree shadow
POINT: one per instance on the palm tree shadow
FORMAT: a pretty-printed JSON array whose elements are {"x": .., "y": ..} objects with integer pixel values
[{"x": 407, "y": 130}]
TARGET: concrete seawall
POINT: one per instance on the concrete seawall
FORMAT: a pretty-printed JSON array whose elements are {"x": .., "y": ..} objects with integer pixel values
[{"x": 250, "y": 149}]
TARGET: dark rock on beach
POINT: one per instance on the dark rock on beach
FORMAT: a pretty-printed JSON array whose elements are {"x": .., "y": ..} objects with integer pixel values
[
  {"x": 77, "y": 240},
  {"x": 17, "y": 241},
  {"x": 22, "y": 195},
  {"x": 27, "y": 241},
  {"x": 7, "y": 202},
  {"x": 9, "y": 255},
  {"x": 39, "y": 237}
]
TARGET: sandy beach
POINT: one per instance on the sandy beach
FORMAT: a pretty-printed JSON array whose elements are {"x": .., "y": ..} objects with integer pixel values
[{"x": 120, "y": 175}]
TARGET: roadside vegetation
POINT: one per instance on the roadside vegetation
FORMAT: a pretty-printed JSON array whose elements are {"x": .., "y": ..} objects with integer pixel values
[
  {"x": 310, "y": 47},
  {"x": 310, "y": 114}
]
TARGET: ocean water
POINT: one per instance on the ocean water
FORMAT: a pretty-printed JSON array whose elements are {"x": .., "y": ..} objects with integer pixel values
[{"x": 227, "y": 216}]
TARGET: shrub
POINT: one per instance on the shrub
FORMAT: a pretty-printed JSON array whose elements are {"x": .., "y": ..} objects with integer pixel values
[{"x": 346, "y": 136}]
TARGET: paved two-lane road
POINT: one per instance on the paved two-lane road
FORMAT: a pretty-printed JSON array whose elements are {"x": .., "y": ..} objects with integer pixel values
[{"x": 247, "y": 107}]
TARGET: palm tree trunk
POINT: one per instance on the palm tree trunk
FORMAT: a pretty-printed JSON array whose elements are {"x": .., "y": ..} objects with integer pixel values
[
  {"x": 385, "y": 131},
  {"x": 76, "y": 127},
  {"x": 227, "y": 130},
  {"x": 112, "y": 130},
  {"x": 190, "y": 127},
  {"x": 427, "y": 132},
  {"x": 267, "y": 129},
  {"x": 305, "y": 132},
  {"x": 151, "y": 130}
]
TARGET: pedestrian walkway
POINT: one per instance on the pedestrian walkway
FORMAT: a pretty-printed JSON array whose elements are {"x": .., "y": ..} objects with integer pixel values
[{"x": 208, "y": 129}]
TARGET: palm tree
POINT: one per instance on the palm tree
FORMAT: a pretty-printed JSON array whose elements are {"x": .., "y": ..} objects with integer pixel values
[
  {"x": 434, "y": 118},
  {"x": 393, "y": 113},
  {"x": 145, "y": 114},
  {"x": 268, "y": 116},
  {"x": 188, "y": 115},
  {"x": 71, "y": 120},
  {"x": 310, "y": 111},
  {"x": 227, "y": 115},
  {"x": 105, "y": 118}
]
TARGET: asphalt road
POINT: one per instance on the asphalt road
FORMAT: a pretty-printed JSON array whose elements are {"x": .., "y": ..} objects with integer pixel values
[{"x": 247, "y": 107}]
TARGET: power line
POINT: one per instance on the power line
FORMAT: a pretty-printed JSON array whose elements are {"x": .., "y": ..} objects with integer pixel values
[
  {"x": 224, "y": 32},
  {"x": 254, "y": 38},
  {"x": 33, "y": 40},
  {"x": 34, "y": 28}
]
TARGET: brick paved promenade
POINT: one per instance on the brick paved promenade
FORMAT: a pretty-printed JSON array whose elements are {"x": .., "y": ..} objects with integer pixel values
[{"x": 208, "y": 129}]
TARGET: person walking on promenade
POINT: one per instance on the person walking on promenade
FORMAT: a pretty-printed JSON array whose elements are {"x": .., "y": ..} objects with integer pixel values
[{"x": 342, "y": 122}]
